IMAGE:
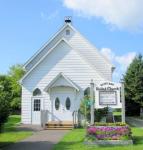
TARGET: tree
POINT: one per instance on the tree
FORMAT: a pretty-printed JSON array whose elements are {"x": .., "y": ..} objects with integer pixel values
[
  {"x": 5, "y": 97},
  {"x": 85, "y": 110},
  {"x": 15, "y": 73},
  {"x": 134, "y": 81}
]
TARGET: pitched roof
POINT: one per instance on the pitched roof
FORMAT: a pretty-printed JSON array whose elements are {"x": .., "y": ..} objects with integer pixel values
[
  {"x": 44, "y": 46},
  {"x": 42, "y": 58},
  {"x": 80, "y": 44}
]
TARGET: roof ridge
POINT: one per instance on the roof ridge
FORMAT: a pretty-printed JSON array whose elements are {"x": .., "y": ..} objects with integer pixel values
[{"x": 91, "y": 45}]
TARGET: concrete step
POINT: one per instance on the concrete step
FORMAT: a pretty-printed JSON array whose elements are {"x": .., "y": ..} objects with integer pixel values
[
  {"x": 59, "y": 125},
  {"x": 58, "y": 128}
]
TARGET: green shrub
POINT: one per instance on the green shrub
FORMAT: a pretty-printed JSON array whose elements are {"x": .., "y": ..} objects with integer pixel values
[{"x": 5, "y": 97}]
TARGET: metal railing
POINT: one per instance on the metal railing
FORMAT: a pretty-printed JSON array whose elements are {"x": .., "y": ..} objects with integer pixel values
[{"x": 44, "y": 117}]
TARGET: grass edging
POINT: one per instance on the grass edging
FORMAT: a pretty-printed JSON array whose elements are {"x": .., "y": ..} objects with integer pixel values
[
  {"x": 109, "y": 142},
  {"x": 10, "y": 134}
]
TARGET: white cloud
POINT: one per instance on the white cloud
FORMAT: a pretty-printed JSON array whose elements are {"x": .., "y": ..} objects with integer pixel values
[
  {"x": 119, "y": 13},
  {"x": 121, "y": 62},
  {"x": 125, "y": 60},
  {"x": 49, "y": 17},
  {"x": 107, "y": 53}
]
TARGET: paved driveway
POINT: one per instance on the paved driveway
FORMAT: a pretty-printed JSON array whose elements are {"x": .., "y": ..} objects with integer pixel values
[
  {"x": 41, "y": 140},
  {"x": 136, "y": 122}
]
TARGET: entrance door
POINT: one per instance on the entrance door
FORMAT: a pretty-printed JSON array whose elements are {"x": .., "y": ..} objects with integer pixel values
[
  {"x": 63, "y": 106},
  {"x": 36, "y": 110}
]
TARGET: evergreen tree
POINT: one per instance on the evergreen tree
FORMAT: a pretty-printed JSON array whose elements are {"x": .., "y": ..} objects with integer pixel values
[{"x": 134, "y": 81}]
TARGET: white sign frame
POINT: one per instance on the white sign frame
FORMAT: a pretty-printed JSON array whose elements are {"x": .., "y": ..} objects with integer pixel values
[{"x": 107, "y": 86}]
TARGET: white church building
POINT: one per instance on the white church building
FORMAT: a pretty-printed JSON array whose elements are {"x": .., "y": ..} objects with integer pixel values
[{"x": 58, "y": 74}]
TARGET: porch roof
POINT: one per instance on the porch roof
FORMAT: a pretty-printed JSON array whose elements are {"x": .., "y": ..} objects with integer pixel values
[{"x": 61, "y": 80}]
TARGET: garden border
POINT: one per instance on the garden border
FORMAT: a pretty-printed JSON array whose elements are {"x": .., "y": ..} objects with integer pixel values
[{"x": 109, "y": 142}]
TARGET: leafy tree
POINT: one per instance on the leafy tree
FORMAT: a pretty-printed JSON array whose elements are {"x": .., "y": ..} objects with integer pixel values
[
  {"x": 85, "y": 107},
  {"x": 134, "y": 81},
  {"x": 15, "y": 73},
  {"x": 5, "y": 97}
]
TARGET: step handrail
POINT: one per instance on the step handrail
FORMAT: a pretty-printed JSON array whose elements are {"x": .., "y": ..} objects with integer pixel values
[{"x": 75, "y": 117}]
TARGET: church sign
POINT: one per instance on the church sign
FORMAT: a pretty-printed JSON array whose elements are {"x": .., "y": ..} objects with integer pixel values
[{"x": 107, "y": 94}]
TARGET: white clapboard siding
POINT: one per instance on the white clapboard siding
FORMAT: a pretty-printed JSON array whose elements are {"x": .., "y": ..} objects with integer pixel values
[
  {"x": 92, "y": 55},
  {"x": 62, "y": 59},
  {"x": 26, "y": 106},
  {"x": 77, "y": 59}
]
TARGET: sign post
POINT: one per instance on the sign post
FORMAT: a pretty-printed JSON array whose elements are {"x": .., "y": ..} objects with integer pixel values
[
  {"x": 123, "y": 100},
  {"x": 92, "y": 102}
]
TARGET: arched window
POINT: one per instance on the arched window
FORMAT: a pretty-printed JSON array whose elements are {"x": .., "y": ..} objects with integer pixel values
[
  {"x": 57, "y": 103},
  {"x": 37, "y": 92},
  {"x": 67, "y": 32},
  {"x": 68, "y": 103},
  {"x": 87, "y": 91}
]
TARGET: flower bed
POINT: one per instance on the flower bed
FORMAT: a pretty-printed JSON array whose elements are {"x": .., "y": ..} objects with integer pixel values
[{"x": 109, "y": 132}]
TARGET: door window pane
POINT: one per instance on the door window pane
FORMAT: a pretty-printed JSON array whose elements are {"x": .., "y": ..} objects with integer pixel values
[
  {"x": 37, "y": 105},
  {"x": 57, "y": 103},
  {"x": 68, "y": 103}
]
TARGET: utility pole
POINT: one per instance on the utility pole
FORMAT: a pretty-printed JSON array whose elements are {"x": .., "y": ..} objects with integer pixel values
[
  {"x": 92, "y": 102},
  {"x": 123, "y": 100}
]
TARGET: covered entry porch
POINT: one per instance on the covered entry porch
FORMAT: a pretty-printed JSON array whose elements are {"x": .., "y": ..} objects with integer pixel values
[{"x": 64, "y": 97}]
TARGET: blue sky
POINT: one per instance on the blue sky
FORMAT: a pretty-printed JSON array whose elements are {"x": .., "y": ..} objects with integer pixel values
[{"x": 26, "y": 25}]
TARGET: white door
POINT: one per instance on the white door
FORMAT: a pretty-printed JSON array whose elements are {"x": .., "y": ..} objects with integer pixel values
[
  {"x": 37, "y": 105},
  {"x": 63, "y": 106}
]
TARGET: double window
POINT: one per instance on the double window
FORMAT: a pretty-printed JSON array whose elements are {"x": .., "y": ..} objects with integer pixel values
[{"x": 67, "y": 103}]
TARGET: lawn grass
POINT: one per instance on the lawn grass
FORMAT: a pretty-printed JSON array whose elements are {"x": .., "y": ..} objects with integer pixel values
[
  {"x": 10, "y": 134},
  {"x": 116, "y": 113},
  {"x": 74, "y": 141}
]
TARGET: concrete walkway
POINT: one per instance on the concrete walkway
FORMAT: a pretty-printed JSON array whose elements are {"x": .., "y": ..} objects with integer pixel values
[
  {"x": 136, "y": 122},
  {"x": 40, "y": 140}
]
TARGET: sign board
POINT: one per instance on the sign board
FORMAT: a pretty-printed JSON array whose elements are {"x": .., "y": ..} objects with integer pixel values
[
  {"x": 107, "y": 98},
  {"x": 108, "y": 94}
]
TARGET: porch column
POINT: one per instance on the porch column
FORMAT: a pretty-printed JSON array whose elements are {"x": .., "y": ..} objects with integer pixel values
[
  {"x": 92, "y": 102},
  {"x": 123, "y": 100}
]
